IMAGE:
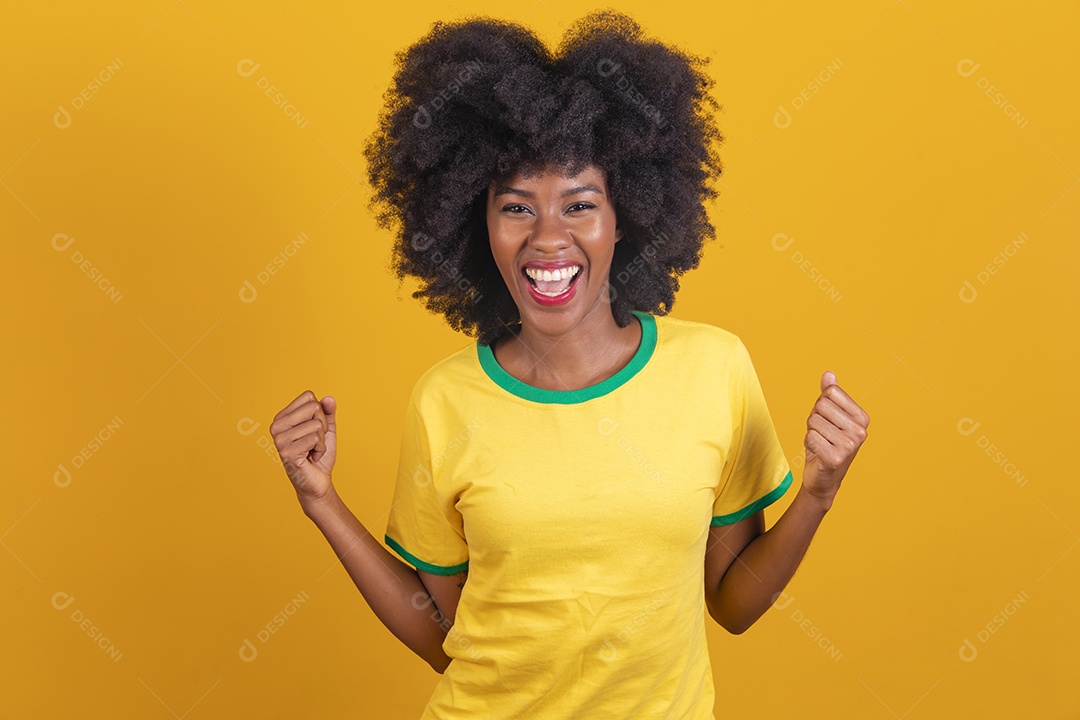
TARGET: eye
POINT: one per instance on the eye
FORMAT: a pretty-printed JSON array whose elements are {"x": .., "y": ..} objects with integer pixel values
[
  {"x": 582, "y": 205},
  {"x": 509, "y": 208}
]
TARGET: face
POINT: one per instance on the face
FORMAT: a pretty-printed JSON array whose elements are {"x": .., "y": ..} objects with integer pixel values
[{"x": 553, "y": 238}]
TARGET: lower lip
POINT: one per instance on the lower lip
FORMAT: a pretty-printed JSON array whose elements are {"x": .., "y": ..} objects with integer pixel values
[{"x": 562, "y": 299}]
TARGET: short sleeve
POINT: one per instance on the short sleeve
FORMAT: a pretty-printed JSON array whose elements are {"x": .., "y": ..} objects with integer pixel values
[
  {"x": 426, "y": 531},
  {"x": 756, "y": 472}
]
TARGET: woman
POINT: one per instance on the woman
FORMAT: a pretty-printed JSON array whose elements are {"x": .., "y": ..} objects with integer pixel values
[{"x": 578, "y": 486}]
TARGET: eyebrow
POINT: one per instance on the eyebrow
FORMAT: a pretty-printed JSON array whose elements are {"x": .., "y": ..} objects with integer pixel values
[{"x": 504, "y": 190}]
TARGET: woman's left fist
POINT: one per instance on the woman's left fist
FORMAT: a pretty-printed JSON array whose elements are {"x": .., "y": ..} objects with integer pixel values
[{"x": 835, "y": 430}]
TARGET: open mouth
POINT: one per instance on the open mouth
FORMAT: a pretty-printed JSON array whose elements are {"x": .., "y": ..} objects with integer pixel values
[{"x": 552, "y": 283}]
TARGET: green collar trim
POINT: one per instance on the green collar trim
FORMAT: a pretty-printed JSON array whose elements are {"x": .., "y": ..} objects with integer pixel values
[{"x": 569, "y": 397}]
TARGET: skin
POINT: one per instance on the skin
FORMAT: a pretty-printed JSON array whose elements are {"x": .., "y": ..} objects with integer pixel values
[
  {"x": 563, "y": 348},
  {"x": 552, "y": 217}
]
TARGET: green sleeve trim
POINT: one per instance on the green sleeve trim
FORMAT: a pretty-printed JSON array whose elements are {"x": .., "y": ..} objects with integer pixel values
[
  {"x": 425, "y": 566},
  {"x": 758, "y": 504}
]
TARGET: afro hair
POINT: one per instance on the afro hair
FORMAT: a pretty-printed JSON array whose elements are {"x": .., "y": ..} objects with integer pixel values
[{"x": 479, "y": 99}]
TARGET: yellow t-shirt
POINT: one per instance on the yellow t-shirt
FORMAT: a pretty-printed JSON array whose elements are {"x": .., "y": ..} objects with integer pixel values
[{"x": 582, "y": 518}]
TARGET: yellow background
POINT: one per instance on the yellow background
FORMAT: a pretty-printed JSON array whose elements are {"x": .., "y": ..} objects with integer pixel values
[{"x": 179, "y": 180}]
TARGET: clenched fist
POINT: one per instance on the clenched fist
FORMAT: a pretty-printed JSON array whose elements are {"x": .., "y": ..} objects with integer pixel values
[
  {"x": 835, "y": 431},
  {"x": 305, "y": 434}
]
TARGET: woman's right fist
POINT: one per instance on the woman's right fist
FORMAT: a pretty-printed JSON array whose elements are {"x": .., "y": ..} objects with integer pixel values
[{"x": 305, "y": 434}]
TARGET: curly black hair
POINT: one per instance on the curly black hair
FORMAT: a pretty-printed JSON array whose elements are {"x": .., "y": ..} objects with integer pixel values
[{"x": 479, "y": 99}]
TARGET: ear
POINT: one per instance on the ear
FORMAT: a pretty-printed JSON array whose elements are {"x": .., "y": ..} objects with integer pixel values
[{"x": 618, "y": 233}]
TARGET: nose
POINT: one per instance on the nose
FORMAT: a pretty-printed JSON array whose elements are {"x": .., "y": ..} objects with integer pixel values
[{"x": 549, "y": 233}]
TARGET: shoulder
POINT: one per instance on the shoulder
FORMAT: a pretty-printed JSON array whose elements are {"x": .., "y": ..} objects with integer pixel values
[
  {"x": 448, "y": 378},
  {"x": 694, "y": 336}
]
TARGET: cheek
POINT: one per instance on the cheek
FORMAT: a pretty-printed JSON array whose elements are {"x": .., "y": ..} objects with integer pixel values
[
  {"x": 601, "y": 236},
  {"x": 606, "y": 225},
  {"x": 501, "y": 251}
]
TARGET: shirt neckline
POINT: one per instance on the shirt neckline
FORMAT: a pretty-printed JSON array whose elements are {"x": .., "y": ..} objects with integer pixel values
[{"x": 516, "y": 387}]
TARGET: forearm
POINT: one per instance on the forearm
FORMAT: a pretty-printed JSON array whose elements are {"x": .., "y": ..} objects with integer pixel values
[
  {"x": 391, "y": 588},
  {"x": 766, "y": 564}
]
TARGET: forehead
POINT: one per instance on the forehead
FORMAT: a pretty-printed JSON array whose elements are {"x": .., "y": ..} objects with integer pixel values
[{"x": 591, "y": 174}]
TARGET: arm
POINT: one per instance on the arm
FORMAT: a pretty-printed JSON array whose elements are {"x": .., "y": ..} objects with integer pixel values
[
  {"x": 393, "y": 589},
  {"x": 745, "y": 568},
  {"x": 445, "y": 590},
  {"x": 305, "y": 434}
]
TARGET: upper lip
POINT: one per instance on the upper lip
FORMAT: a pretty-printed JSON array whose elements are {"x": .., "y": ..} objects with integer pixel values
[{"x": 550, "y": 264}]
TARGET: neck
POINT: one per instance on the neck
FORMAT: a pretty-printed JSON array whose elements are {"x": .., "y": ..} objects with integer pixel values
[{"x": 588, "y": 353}]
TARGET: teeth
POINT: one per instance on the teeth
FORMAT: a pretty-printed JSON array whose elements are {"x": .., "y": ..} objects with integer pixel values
[{"x": 548, "y": 275}]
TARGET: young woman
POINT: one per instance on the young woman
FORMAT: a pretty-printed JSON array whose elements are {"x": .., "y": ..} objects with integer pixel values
[{"x": 578, "y": 486}]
